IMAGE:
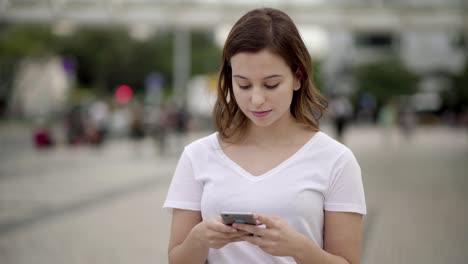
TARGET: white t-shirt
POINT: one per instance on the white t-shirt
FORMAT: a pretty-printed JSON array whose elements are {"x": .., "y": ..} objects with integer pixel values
[{"x": 322, "y": 175}]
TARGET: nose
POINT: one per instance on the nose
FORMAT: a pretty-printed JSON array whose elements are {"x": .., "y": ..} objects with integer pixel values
[{"x": 257, "y": 97}]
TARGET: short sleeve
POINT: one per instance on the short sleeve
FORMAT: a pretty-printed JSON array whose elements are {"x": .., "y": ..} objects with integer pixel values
[
  {"x": 184, "y": 191},
  {"x": 346, "y": 191}
]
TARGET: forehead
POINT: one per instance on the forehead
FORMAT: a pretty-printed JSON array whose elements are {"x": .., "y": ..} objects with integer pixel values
[{"x": 258, "y": 64}]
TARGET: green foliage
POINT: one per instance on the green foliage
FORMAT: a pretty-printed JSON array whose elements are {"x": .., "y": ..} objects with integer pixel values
[
  {"x": 317, "y": 79},
  {"x": 385, "y": 79},
  {"x": 79, "y": 94},
  {"x": 19, "y": 42},
  {"x": 108, "y": 57},
  {"x": 206, "y": 56},
  {"x": 457, "y": 97},
  {"x": 461, "y": 85},
  {"x": 26, "y": 41},
  {"x": 105, "y": 57}
]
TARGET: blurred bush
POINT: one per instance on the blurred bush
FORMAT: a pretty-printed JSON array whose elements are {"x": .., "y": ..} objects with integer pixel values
[
  {"x": 456, "y": 99},
  {"x": 385, "y": 80},
  {"x": 102, "y": 58}
]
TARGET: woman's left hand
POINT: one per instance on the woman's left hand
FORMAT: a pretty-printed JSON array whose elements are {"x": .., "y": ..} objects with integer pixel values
[{"x": 276, "y": 237}]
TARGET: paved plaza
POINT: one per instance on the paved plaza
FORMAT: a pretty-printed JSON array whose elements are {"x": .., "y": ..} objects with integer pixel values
[{"x": 84, "y": 205}]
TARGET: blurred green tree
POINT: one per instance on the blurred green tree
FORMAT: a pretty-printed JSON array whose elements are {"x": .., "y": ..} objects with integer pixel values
[
  {"x": 21, "y": 41},
  {"x": 104, "y": 57},
  {"x": 456, "y": 98},
  {"x": 385, "y": 80},
  {"x": 461, "y": 86},
  {"x": 108, "y": 57},
  {"x": 205, "y": 55},
  {"x": 16, "y": 43},
  {"x": 317, "y": 78}
]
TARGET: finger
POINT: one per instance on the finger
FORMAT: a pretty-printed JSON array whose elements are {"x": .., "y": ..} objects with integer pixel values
[
  {"x": 222, "y": 228},
  {"x": 218, "y": 226},
  {"x": 251, "y": 229},
  {"x": 229, "y": 236},
  {"x": 255, "y": 240},
  {"x": 269, "y": 221},
  {"x": 239, "y": 233}
]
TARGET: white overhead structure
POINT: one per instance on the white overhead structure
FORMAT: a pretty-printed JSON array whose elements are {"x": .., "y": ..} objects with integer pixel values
[{"x": 351, "y": 14}]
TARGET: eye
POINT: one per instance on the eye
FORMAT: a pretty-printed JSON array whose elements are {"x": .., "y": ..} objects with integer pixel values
[
  {"x": 272, "y": 86},
  {"x": 244, "y": 86}
]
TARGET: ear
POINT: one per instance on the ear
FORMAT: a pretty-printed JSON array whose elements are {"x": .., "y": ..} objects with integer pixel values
[{"x": 297, "y": 80}]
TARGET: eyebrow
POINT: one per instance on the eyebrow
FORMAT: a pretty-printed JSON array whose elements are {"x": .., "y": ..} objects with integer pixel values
[{"x": 268, "y": 77}]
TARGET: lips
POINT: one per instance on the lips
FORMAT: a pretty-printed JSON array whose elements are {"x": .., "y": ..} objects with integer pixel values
[{"x": 261, "y": 113}]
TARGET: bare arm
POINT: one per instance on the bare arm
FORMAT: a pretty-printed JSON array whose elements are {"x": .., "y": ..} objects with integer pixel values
[
  {"x": 183, "y": 246},
  {"x": 191, "y": 237},
  {"x": 342, "y": 241}
]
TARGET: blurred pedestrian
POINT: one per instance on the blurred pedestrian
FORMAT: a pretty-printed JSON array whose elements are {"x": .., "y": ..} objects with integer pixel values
[
  {"x": 268, "y": 157},
  {"x": 182, "y": 125},
  {"x": 42, "y": 135},
  {"x": 74, "y": 125},
  {"x": 342, "y": 111},
  {"x": 163, "y": 128},
  {"x": 137, "y": 125},
  {"x": 366, "y": 108},
  {"x": 386, "y": 119},
  {"x": 464, "y": 118},
  {"x": 407, "y": 119},
  {"x": 99, "y": 115}
]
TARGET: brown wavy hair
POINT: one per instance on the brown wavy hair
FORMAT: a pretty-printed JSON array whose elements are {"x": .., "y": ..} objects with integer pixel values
[{"x": 271, "y": 29}]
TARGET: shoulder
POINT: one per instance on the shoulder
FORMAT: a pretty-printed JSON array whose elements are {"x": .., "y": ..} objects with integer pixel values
[
  {"x": 329, "y": 148},
  {"x": 202, "y": 146},
  {"x": 329, "y": 143}
]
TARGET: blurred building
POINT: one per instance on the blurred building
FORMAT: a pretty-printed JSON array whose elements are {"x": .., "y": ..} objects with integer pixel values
[
  {"x": 433, "y": 45},
  {"x": 429, "y": 36}
]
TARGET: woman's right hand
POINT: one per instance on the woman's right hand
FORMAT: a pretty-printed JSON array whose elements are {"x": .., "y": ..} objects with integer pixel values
[{"x": 213, "y": 233}]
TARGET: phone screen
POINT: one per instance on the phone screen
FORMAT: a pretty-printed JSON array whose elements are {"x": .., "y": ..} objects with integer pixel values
[{"x": 230, "y": 218}]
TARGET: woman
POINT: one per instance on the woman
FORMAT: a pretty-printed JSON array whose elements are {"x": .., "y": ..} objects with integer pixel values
[{"x": 269, "y": 157}]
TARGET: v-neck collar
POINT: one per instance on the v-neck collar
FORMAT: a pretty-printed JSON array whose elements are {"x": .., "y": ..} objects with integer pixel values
[{"x": 241, "y": 171}]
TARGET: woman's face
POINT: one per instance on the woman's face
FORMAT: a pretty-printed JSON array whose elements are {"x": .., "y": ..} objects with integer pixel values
[{"x": 263, "y": 86}]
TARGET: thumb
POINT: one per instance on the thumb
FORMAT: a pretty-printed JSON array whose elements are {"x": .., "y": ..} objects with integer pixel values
[{"x": 269, "y": 221}]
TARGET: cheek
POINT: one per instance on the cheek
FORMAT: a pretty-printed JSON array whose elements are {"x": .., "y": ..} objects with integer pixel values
[
  {"x": 240, "y": 97},
  {"x": 285, "y": 94}
]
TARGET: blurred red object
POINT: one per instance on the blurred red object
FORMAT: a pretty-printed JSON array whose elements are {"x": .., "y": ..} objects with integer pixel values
[
  {"x": 42, "y": 138},
  {"x": 123, "y": 94}
]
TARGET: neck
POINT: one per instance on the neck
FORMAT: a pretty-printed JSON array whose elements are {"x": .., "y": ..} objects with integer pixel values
[{"x": 277, "y": 133}]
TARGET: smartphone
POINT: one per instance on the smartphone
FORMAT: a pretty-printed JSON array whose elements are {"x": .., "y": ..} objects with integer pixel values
[{"x": 230, "y": 218}]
